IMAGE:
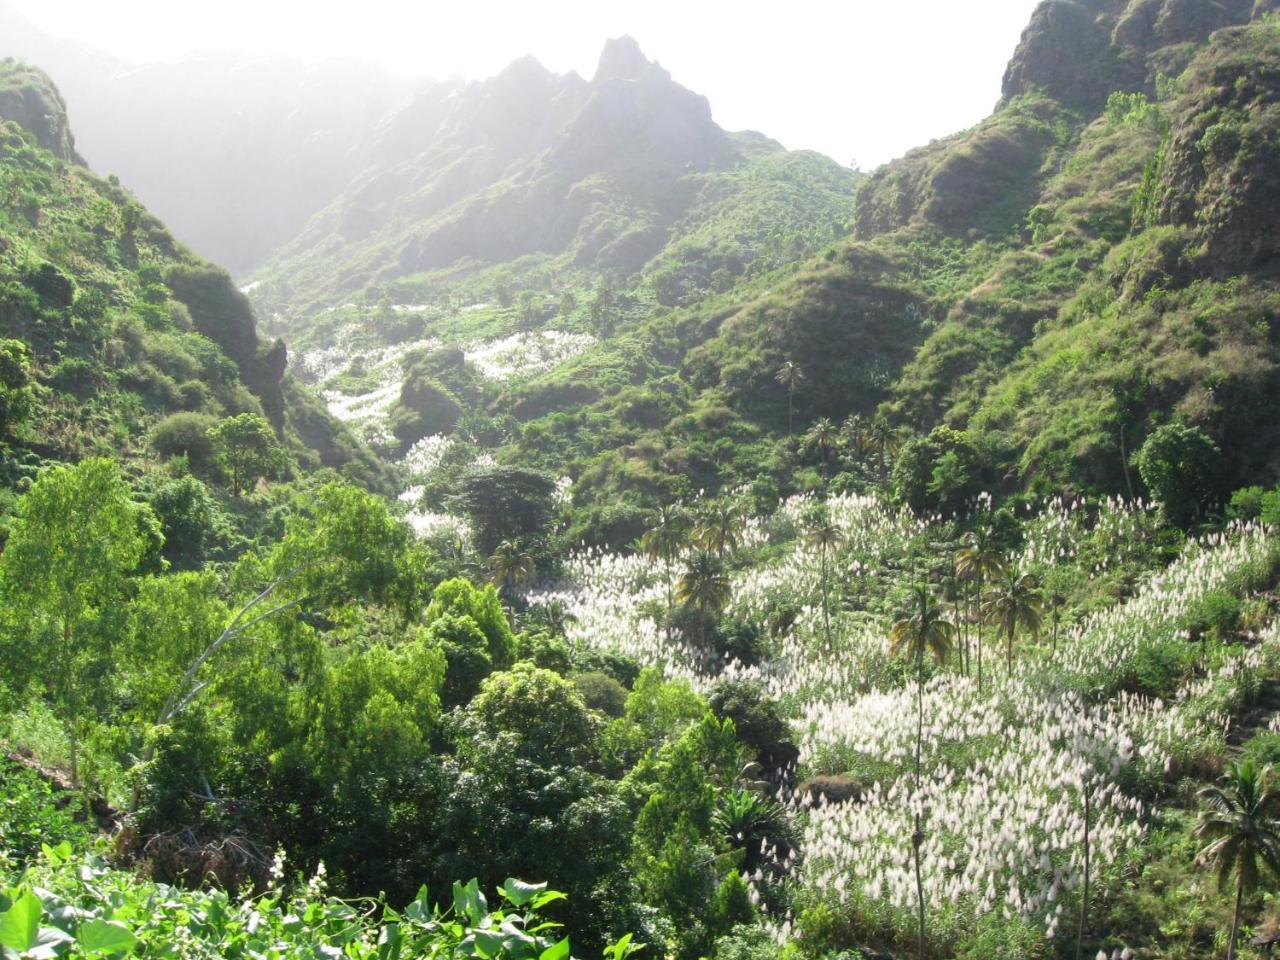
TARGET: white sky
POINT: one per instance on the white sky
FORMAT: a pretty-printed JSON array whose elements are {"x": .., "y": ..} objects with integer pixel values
[{"x": 858, "y": 79}]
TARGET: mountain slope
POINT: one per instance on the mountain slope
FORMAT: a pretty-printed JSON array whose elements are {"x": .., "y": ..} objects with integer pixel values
[
  {"x": 122, "y": 326},
  {"x": 602, "y": 174},
  {"x": 1086, "y": 264},
  {"x": 269, "y": 142}
]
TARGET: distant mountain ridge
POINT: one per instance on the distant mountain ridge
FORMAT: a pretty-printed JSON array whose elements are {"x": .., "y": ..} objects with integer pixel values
[
  {"x": 120, "y": 324},
  {"x": 527, "y": 162},
  {"x": 234, "y": 154}
]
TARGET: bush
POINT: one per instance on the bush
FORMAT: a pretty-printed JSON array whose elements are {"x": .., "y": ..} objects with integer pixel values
[
  {"x": 30, "y": 816},
  {"x": 186, "y": 435},
  {"x": 1181, "y": 467},
  {"x": 602, "y": 692}
]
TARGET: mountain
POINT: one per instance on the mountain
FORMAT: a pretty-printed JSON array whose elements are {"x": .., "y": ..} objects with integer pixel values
[
  {"x": 269, "y": 141},
  {"x": 528, "y": 163},
  {"x": 1093, "y": 260},
  {"x": 118, "y": 326}
]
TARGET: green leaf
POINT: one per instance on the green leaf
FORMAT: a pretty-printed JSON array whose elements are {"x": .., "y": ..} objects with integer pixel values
[
  {"x": 548, "y": 896},
  {"x": 519, "y": 893},
  {"x": 106, "y": 937},
  {"x": 390, "y": 941},
  {"x": 20, "y": 924},
  {"x": 559, "y": 951},
  {"x": 58, "y": 855},
  {"x": 469, "y": 902}
]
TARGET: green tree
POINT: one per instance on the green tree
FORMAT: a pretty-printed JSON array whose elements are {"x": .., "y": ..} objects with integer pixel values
[
  {"x": 719, "y": 527},
  {"x": 825, "y": 536},
  {"x": 510, "y": 566},
  {"x": 1182, "y": 468},
  {"x": 978, "y": 562},
  {"x": 16, "y": 384},
  {"x": 541, "y": 711},
  {"x": 790, "y": 377},
  {"x": 482, "y": 604},
  {"x": 664, "y": 541},
  {"x": 467, "y": 658},
  {"x": 601, "y": 312},
  {"x": 505, "y": 503},
  {"x": 922, "y": 630},
  {"x": 822, "y": 439},
  {"x": 704, "y": 585},
  {"x": 76, "y": 540},
  {"x": 1013, "y": 603},
  {"x": 1240, "y": 825},
  {"x": 248, "y": 449}
]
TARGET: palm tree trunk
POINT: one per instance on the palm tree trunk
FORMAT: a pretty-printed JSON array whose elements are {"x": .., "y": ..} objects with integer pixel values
[
  {"x": 1009, "y": 653},
  {"x": 979, "y": 629},
  {"x": 917, "y": 837},
  {"x": 826, "y": 615},
  {"x": 1084, "y": 898},
  {"x": 671, "y": 600},
  {"x": 1235, "y": 918}
]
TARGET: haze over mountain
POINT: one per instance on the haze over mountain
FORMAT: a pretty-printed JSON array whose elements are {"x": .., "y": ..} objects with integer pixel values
[
  {"x": 584, "y": 501},
  {"x": 268, "y": 141}
]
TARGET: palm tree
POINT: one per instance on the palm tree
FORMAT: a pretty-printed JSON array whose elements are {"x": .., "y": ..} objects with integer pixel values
[
  {"x": 1241, "y": 828},
  {"x": 552, "y": 617},
  {"x": 664, "y": 541},
  {"x": 822, "y": 533},
  {"x": 704, "y": 585},
  {"x": 922, "y": 630},
  {"x": 719, "y": 528},
  {"x": 979, "y": 562},
  {"x": 853, "y": 431},
  {"x": 1056, "y": 600},
  {"x": 883, "y": 441},
  {"x": 790, "y": 376},
  {"x": 509, "y": 566},
  {"x": 1014, "y": 602},
  {"x": 822, "y": 439}
]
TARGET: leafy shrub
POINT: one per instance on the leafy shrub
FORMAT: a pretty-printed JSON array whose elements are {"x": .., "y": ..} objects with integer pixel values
[
  {"x": 30, "y": 816},
  {"x": 602, "y": 692},
  {"x": 187, "y": 435}
]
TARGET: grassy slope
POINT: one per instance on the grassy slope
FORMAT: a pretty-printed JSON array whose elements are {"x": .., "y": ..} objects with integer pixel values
[{"x": 124, "y": 325}]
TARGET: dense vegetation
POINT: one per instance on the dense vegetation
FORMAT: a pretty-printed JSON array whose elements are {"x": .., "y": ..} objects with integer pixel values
[{"x": 786, "y": 563}]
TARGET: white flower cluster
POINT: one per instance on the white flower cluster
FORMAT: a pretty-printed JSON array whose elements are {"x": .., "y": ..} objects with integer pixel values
[
  {"x": 1005, "y": 767},
  {"x": 526, "y": 354}
]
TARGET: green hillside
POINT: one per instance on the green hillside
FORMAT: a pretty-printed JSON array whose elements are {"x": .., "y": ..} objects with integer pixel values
[{"x": 113, "y": 330}]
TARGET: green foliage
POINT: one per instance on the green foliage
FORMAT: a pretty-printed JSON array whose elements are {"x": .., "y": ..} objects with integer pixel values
[
  {"x": 504, "y": 504},
  {"x": 467, "y": 658},
  {"x": 599, "y": 691},
  {"x": 30, "y": 818},
  {"x": 482, "y": 606},
  {"x": 76, "y": 539},
  {"x": 246, "y": 446},
  {"x": 79, "y": 907},
  {"x": 16, "y": 398},
  {"x": 541, "y": 713},
  {"x": 1180, "y": 465}
]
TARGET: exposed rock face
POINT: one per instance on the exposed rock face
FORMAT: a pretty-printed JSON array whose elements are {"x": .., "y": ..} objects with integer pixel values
[
  {"x": 627, "y": 134},
  {"x": 224, "y": 315},
  {"x": 622, "y": 59},
  {"x": 29, "y": 99},
  {"x": 1221, "y": 171},
  {"x": 1067, "y": 52},
  {"x": 1080, "y": 51}
]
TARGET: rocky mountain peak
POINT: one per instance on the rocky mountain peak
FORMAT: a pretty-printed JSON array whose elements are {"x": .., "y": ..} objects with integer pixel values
[
  {"x": 622, "y": 59},
  {"x": 29, "y": 98}
]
